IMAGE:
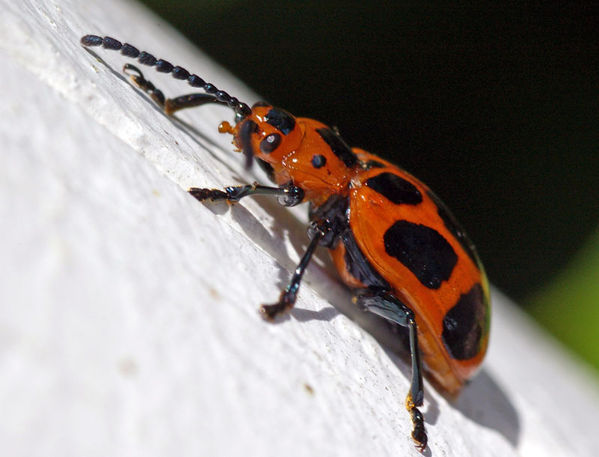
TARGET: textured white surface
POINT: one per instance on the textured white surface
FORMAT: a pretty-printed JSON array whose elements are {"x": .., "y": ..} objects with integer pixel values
[{"x": 128, "y": 311}]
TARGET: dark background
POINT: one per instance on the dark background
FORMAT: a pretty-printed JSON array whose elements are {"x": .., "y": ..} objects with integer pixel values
[{"x": 495, "y": 107}]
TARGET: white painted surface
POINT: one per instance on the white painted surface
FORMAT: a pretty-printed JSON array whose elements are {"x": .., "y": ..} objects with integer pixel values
[{"x": 128, "y": 311}]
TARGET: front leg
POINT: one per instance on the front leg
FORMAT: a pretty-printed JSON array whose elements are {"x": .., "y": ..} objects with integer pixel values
[
  {"x": 288, "y": 194},
  {"x": 168, "y": 105}
]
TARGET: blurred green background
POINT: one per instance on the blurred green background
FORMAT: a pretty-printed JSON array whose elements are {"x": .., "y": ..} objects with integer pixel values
[{"x": 495, "y": 107}]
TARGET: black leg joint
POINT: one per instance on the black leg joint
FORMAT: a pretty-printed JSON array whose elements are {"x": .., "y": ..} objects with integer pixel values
[
  {"x": 324, "y": 230},
  {"x": 236, "y": 193},
  {"x": 292, "y": 195}
]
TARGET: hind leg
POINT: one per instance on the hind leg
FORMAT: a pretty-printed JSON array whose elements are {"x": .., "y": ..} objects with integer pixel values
[{"x": 384, "y": 304}]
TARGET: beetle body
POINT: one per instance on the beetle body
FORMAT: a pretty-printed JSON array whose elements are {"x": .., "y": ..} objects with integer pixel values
[
  {"x": 393, "y": 242},
  {"x": 395, "y": 227}
]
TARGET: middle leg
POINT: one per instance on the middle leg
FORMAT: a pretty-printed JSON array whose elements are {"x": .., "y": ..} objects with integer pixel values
[{"x": 289, "y": 294}]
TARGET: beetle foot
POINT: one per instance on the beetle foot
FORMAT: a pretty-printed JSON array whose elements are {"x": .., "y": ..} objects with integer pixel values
[
  {"x": 208, "y": 194},
  {"x": 270, "y": 312},
  {"x": 285, "y": 303},
  {"x": 418, "y": 431}
]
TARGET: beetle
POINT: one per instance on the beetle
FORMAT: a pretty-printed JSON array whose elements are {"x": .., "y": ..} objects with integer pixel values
[{"x": 392, "y": 240}]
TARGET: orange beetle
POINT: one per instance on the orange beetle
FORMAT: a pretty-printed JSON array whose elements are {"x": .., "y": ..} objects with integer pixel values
[{"x": 393, "y": 241}]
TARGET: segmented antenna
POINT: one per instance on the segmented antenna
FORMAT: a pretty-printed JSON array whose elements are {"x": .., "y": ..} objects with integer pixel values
[{"x": 241, "y": 109}]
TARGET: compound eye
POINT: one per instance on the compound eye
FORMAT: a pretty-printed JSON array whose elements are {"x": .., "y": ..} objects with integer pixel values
[{"x": 270, "y": 143}]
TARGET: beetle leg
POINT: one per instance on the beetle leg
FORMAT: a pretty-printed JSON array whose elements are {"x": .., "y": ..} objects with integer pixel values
[
  {"x": 389, "y": 307},
  {"x": 289, "y": 294},
  {"x": 168, "y": 105},
  {"x": 288, "y": 194}
]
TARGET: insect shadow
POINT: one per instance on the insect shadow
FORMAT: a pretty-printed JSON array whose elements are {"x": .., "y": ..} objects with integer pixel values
[{"x": 485, "y": 402}]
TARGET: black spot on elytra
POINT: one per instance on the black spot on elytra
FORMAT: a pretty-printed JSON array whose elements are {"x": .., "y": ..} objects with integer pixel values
[
  {"x": 281, "y": 120},
  {"x": 455, "y": 228},
  {"x": 395, "y": 189},
  {"x": 466, "y": 324},
  {"x": 338, "y": 146},
  {"x": 422, "y": 250}
]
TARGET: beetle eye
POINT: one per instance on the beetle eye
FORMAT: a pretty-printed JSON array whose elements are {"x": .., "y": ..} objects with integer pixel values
[{"x": 270, "y": 143}]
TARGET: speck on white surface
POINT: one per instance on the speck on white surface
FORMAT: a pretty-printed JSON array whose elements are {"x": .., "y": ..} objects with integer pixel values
[{"x": 128, "y": 311}]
